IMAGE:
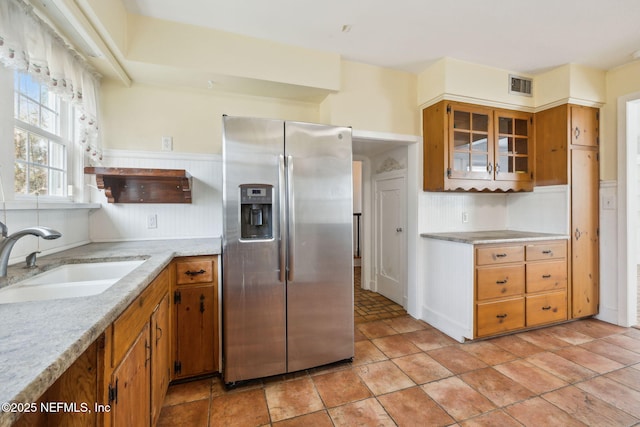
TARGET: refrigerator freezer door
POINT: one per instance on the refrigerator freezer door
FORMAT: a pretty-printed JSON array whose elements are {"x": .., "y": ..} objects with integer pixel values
[
  {"x": 253, "y": 289},
  {"x": 320, "y": 289}
]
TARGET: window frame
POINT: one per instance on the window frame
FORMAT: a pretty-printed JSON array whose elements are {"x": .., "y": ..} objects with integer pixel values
[{"x": 65, "y": 137}]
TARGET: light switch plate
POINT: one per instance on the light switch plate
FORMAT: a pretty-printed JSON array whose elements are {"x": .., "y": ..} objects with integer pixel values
[{"x": 609, "y": 202}]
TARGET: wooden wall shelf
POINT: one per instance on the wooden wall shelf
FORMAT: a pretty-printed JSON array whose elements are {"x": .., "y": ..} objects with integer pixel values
[{"x": 135, "y": 185}]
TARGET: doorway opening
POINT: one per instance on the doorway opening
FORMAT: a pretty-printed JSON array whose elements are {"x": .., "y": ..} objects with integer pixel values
[
  {"x": 381, "y": 153},
  {"x": 357, "y": 213},
  {"x": 633, "y": 147},
  {"x": 628, "y": 220},
  {"x": 368, "y": 305}
]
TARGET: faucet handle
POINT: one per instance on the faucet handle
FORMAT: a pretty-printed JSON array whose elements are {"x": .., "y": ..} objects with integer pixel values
[{"x": 31, "y": 259}]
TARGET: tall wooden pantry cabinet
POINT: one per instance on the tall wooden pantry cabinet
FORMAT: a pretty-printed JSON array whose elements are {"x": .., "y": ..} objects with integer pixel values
[{"x": 567, "y": 144}]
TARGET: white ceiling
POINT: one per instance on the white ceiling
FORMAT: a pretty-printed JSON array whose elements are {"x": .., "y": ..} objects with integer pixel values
[{"x": 523, "y": 36}]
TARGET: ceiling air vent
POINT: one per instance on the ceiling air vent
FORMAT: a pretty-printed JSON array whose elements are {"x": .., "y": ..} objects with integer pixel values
[{"x": 520, "y": 85}]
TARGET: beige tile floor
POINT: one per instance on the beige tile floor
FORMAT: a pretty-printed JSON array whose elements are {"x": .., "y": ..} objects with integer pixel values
[{"x": 407, "y": 373}]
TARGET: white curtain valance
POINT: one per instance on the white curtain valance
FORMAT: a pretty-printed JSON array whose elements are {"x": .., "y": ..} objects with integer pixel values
[{"x": 27, "y": 43}]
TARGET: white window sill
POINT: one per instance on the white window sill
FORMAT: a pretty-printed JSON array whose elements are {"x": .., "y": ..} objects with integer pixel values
[{"x": 23, "y": 205}]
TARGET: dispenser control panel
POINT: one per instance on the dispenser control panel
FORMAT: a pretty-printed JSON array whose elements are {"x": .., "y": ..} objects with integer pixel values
[
  {"x": 253, "y": 192},
  {"x": 256, "y": 211}
]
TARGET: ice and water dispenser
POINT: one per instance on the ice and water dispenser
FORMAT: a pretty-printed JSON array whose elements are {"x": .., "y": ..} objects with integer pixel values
[{"x": 256, "y": 209}]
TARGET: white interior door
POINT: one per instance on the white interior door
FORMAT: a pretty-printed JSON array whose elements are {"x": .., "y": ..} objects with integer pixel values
[{"x": 390, "y": 225}]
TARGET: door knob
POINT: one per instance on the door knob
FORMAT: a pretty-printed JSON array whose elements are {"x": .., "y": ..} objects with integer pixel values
[{"x": 399, "y": 229}]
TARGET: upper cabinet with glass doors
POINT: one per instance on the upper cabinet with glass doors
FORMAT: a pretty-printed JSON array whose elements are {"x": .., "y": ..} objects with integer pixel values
[{"x": 475, "y": 148}]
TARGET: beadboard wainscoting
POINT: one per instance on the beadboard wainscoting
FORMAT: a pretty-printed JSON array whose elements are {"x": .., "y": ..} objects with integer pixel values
[
  {"x": 545, "y": 210},
  {"x": 442, "y": 212},
  {"x": 611, "y": 291},
  {"x": 128, "y": 221}
]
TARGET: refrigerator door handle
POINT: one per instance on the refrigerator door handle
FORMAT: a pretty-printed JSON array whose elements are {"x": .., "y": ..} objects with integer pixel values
[
  {"x": 283, "y": 220},
  {"x": 291, "y": 220}
]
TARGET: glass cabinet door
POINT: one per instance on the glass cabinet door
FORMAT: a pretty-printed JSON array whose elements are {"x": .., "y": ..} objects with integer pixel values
[
  {"x": 514, "y": 147},
  {"x": 470, "y": 149}
]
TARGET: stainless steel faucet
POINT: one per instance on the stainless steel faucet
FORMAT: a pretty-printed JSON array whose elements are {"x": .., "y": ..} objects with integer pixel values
[{"x": 6, "y": 245}]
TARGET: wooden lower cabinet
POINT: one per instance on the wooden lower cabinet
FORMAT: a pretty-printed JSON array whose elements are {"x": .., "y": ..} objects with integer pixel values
[
  {"x": 124, "y": 375},
  {"x": 78, "y": 385},
  {"x": 140, "y": 350},
  {"x": 546, "y": 308},
  {"x": 130, "y": 383},
  {"x": 500, "y": 316},
  {"x": 161, "y": 355},
  {"x": 195, "y": 317},
  {"x": 519, "y": 285}
]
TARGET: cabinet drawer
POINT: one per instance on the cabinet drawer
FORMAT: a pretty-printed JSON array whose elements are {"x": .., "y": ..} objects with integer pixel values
[
  {"x": 499, "y": 254},
  {"x": 497, "y": 317},
  {"x": 547, "y": 250},
  {"x": 496, "y": 282},
  {"x": 194, "y": 271},
  {"x": 127, "y": 327},
  {"x": 546, "y": 308},
  {"x": 547, "y": 276}
]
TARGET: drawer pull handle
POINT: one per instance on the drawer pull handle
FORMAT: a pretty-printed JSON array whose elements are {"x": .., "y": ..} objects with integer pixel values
[
  {"x": 548, "y": 252},
  {"x": 501, "y": 255},
  {"x": 194, "y": 273},
  {"x": 501, "y": 316},
  {"x": 547, "y": 307},
  {"x": 546, "y": 276},
  {"x": 502, "y": 282}
]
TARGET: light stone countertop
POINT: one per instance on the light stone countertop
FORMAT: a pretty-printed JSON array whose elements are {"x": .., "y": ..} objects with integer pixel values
[
  {"x": 39, "y": 340},
  {"x": 494, "y": 236}
]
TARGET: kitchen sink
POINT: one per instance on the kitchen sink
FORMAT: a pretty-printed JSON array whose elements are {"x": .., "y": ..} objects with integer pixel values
[{"x": 68, "y": 281}]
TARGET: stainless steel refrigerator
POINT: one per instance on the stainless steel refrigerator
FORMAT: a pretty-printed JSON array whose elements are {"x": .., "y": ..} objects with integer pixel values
[{"x": 287, "y": 287}]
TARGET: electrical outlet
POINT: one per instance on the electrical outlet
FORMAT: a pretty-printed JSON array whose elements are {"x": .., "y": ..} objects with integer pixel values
[
  {"x": 152, "y": 221},
  {"x": 167, "y": 143},
  {"x": 465, "y": 217}
]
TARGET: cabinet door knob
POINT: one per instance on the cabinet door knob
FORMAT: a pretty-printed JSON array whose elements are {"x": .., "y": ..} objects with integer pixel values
[
  {"x": 576, "y": 133},
  {"x": 399, "y": 229}
]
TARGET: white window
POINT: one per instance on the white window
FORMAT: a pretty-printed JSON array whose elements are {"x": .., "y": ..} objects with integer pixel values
[{"x": 43, "y": 131}]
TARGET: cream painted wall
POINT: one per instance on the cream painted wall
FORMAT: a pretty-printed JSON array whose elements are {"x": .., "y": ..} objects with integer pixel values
[
  {"x": 451, "y": 78},
  {"x": 373, "y": 99},
  {"x": 620, "y": 81},
  {"x": 136, "y": 118},
  {"x": 570, "y": 83},
  {"x": 192, "y": 48},
  {"x": 112, "y": 18}
]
